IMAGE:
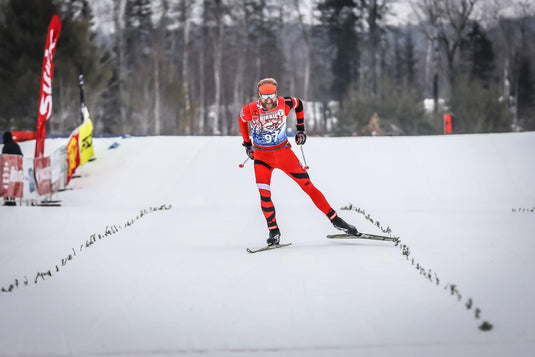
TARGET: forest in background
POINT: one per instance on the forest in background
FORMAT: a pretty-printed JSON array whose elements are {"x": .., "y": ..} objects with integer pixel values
[{"x": 185, "y": 67}]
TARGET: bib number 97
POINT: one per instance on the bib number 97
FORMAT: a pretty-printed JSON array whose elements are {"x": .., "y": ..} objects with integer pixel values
[{"x": 270, "y": 138}]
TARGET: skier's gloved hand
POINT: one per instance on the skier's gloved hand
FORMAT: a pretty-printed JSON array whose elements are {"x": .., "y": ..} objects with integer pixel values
[
  {"x": 249, "y": 149},
  {"x": 300, "y": 138}
]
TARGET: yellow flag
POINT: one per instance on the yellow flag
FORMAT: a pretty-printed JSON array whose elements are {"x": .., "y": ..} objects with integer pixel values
[{"x": 85, "y": 140}]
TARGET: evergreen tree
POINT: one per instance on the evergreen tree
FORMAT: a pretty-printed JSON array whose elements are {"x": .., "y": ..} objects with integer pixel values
[
  {"x": 375, "y": 45},
  {"x": 404, "y": 58},
  {"x": 478, "y": 53},
  {"x": 22, "y": 41},
  {"x": 340, "y": 17},
  {"x": 108, "y": 113},
  {"x": 399, "y": 109},
  {"x": 77, "y": 54},
  {"x": 477, "y": 108},
  {"x": 526, "y": 95},
  {"x": 398, "y": 70},
  {"x": 138, "y": 31},
  {"x": 139, "y": 66},
  {"x": 410, "y": 59}
]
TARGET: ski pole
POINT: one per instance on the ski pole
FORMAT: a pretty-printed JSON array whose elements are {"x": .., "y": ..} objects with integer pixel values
[
  {"x": 243, "y": 163},
  {"x": 306, "y": 167}
]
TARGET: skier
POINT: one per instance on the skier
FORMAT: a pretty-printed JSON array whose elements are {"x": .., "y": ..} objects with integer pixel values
[
  {"x": 271, "y": 150},
  {"x": 12, "y": 148}
]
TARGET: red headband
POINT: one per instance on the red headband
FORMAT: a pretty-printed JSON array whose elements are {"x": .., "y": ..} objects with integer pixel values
[{"x": 267, "y": 88}]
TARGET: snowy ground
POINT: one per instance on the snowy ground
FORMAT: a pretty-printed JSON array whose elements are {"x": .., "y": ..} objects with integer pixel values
[{"x": 176, "y": 280}]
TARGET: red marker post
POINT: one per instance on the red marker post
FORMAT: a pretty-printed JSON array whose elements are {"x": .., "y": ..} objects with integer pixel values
[{"x": 448, "y": 125}]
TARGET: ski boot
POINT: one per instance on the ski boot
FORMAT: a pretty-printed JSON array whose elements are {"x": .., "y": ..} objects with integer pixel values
[
  {"x": 274, "y": 236},
  {"x": 342, "y": 225}
]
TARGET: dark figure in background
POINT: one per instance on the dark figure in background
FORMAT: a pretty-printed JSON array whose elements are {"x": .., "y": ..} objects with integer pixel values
[{"x": 12, "y": 148}]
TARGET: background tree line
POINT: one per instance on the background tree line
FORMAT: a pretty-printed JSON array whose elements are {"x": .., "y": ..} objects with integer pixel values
[{"x": 187, "y": 66}]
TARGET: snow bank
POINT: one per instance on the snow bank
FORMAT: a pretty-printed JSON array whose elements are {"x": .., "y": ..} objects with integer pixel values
[{"x": 170, "y": 274}]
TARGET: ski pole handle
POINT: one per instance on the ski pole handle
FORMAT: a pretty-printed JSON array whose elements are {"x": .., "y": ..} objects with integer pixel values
[
  {"x": 306, "y": 167},
  {"x": 243, "y": 163}
]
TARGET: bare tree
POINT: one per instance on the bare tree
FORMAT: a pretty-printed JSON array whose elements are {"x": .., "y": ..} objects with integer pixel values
[
  {"x": 157, "y": 57},
  {"x": 218, "y": 63},
  {"x": 374, "y": 10},
  {"x": 121, "y": 68},
  {"x": 306, "y": 32},
  {"x": 240, "y": 38},
  {"x": 184, "y": 8},
  {"x": 510, "y": 18},
  {"x": 445, "y": 22}
]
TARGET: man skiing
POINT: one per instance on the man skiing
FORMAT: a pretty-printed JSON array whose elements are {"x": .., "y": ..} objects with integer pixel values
[{"x": 271, "y": 150}]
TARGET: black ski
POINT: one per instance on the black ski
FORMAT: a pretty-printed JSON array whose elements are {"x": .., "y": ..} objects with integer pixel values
[
  {"x": 363, "y": 236},
  {"x": 269, "y": 247}
]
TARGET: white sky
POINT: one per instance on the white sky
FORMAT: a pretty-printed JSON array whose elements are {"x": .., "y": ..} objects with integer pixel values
[{"x": 401, "y": 10}]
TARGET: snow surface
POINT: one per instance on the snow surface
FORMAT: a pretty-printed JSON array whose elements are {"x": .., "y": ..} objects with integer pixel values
[{"x": 178, "y": 281}]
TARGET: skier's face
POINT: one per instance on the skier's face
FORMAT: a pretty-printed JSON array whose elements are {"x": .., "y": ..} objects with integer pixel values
[{"x": 268, "y": 100}]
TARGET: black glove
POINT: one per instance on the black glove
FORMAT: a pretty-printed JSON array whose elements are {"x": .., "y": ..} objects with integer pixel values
[
  {"x": 249, "y": 149},
  {"x": 300, "y": 138}
]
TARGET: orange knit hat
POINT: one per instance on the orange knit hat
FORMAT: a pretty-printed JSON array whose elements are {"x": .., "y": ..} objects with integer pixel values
[{"x": 267, "y": 88}]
